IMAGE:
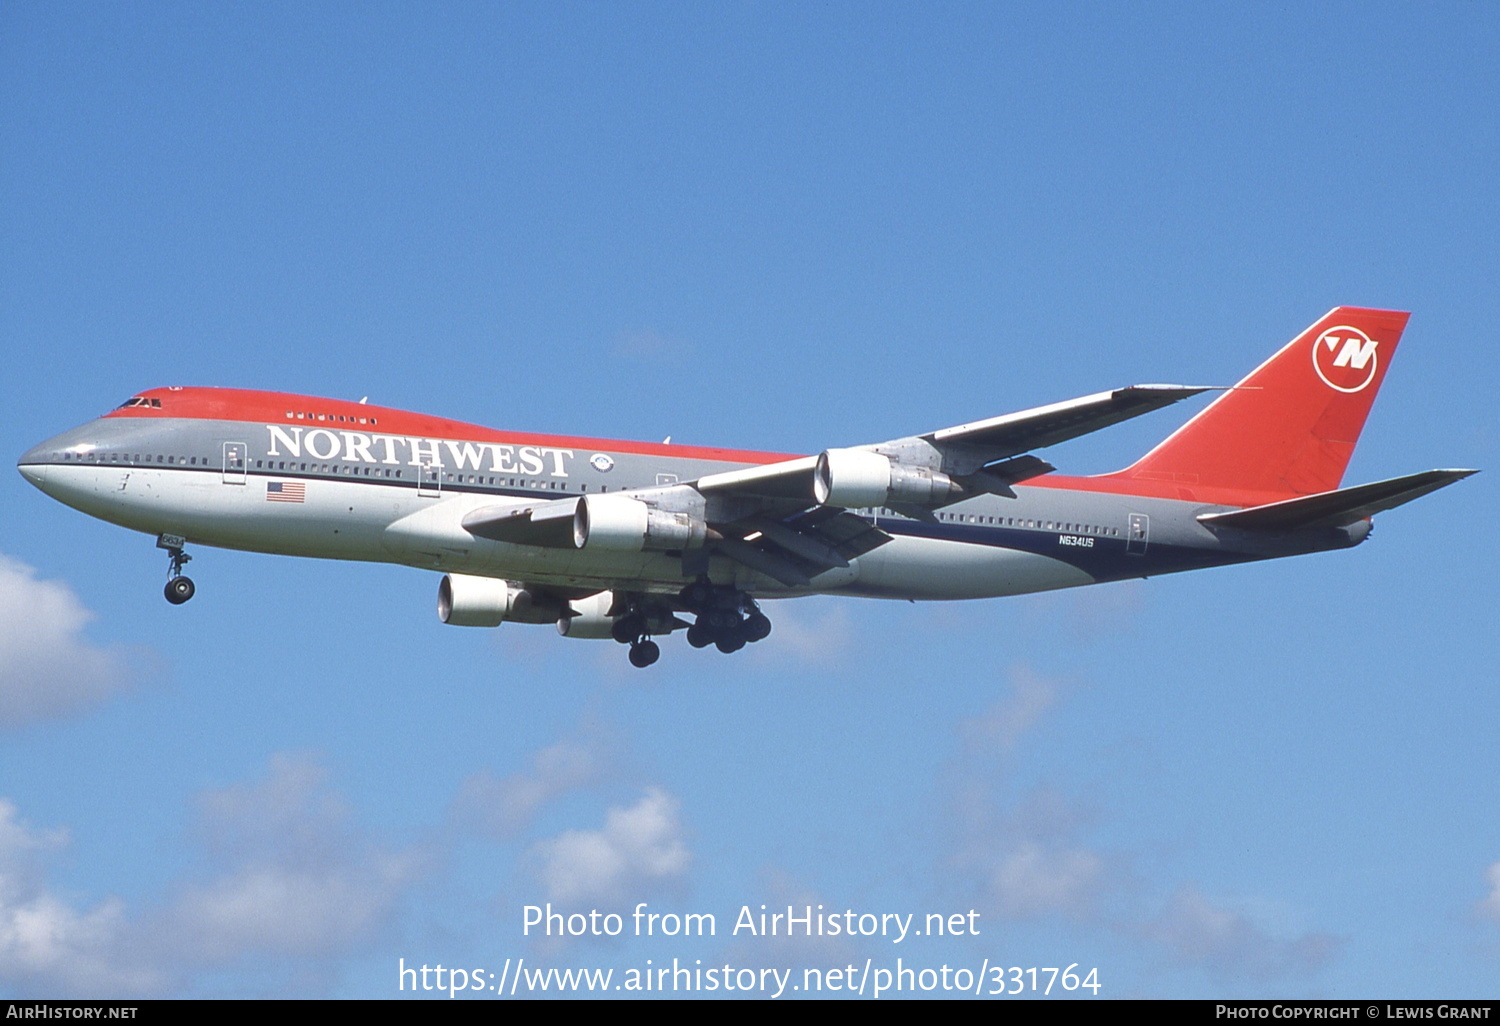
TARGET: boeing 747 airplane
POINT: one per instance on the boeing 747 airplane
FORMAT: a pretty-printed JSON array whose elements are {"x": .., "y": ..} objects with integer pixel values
[{"x": 623, "y": 540}]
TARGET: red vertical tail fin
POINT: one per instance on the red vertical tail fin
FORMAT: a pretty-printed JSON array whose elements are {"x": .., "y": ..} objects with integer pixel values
[{"x": 1289, "y": 428}]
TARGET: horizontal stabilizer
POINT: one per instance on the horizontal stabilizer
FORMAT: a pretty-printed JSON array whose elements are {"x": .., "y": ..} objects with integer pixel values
[{"x": 1338, "y": 508}]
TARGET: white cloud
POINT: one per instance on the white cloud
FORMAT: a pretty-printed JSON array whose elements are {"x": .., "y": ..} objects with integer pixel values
[
  {"x": 1013, "y": 713},
  {"x": 47, "y": 947},
  {"x": 281, "y": 910},
  {"x": 1229, "y": 945},
  {"x": 1032, "y": 880},
  {"x": 1023, "y": 851},
  {"x": 290, "y": 875},
  {"x": 287, "y": 877},
  {"x": 639, "y": 846},
  {"x": 48, "y": 668},
  {"x": 803, "y": 633},
  {"x": 1028, "y": 857},
  {"x": 1490, "y": 906},
  {"x": 504, "y": 807}
]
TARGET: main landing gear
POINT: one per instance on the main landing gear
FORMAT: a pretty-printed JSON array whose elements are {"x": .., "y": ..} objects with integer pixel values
[
  {"x": 725, "y": 617},
  {"x": 179, "y": 587}
]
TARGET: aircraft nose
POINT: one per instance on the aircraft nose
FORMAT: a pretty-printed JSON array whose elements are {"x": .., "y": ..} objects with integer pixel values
[{"x": 33, "y": 465}]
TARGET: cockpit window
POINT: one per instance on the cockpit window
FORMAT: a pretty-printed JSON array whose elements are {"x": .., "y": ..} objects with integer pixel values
[{"x": 140, "y": 400}]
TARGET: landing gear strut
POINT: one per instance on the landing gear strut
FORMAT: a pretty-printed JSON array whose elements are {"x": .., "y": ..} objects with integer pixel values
[{"x": 179, "y": 588}]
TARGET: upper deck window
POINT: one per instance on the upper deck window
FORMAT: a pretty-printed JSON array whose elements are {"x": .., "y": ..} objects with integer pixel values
[{"x": 334, "y": 417}]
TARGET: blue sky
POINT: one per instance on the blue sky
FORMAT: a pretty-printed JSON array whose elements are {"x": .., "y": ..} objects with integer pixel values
[{"x": 769, "y": 226}]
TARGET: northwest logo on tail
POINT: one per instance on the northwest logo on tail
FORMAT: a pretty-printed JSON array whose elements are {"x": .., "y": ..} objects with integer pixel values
[{"x": 1345, "y": 359}]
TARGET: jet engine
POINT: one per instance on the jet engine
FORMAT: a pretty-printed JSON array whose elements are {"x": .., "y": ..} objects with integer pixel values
[
  {"x": 859, "y": 479},
  {"x": 618, "y": 523},
  {"x": 588, "y": 617},
  {"x": 467, "y": 601}
]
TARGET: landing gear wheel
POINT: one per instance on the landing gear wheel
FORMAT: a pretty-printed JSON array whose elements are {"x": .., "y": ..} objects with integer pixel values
[
  {"x": 699, "y": 636},
  {"x": 757, "y": 627},
  {"x": 644, "y": 653},
  {"x": 731, "y": 642},
  {"x": 722, "y": 621},
  {"x": 179, "y": 590},
  {"x": 628, "y": 629}
]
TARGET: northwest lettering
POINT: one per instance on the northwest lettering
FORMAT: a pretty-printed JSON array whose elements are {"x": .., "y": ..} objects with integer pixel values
[{"x": 397, "y": 450}]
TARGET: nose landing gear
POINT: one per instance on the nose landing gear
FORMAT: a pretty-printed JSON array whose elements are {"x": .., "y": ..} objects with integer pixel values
[
  {"x": 179, "y": 590},
  {"x": 179, "y": 587}
]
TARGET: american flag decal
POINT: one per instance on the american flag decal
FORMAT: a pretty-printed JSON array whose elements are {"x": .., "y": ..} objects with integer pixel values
[{"x": 286, "y": 491}]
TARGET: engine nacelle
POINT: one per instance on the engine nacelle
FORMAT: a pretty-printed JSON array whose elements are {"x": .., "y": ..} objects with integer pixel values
[
  {"x": 588, "y": 617},
  {"x": 859, "y": 479},
  {"x": 618, "y": 523},
  {"x": 852, "y": 478},
  {"x": 466, "y": 601},
  {"x": 923, "y": 486}
]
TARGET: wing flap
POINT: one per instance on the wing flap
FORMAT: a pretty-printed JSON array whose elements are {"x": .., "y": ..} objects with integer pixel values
[
  {"x": 769, "y": 563},
  {"x": 797, "y": 549},
  {"x": 1338, "y": 508}
]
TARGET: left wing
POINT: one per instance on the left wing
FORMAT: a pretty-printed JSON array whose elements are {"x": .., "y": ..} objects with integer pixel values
[
  {"x": 791, "y": 520},
  {"x": 981, "y": 450}
]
